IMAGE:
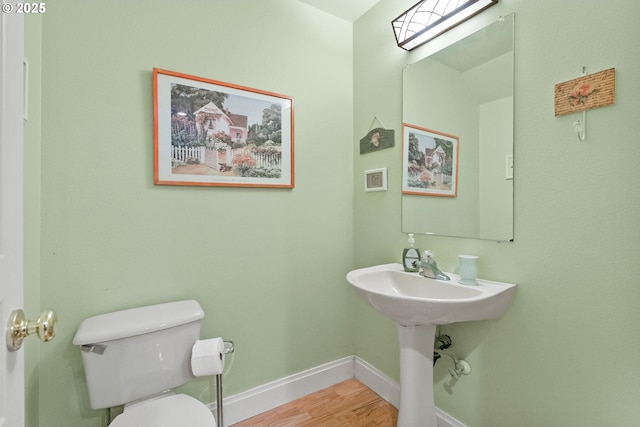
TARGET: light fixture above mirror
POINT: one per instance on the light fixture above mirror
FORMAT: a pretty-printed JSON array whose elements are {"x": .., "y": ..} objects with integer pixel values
[{"x": 427, "y": 19}]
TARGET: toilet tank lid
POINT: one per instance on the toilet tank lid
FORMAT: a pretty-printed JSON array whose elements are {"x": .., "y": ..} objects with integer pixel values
[{"x": 137, "y": 321}]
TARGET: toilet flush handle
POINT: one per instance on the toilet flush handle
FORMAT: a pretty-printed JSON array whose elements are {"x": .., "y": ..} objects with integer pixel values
[
  {"x": 93, "y": 348},
  {"x": 20, "y": 328}
]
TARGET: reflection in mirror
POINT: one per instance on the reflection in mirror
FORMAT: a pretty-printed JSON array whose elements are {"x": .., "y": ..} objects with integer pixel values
[{"x": 466, "y": 89}]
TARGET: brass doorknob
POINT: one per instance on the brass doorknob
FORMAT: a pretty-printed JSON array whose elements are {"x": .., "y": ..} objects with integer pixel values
[{"x": 20, "y": 328}]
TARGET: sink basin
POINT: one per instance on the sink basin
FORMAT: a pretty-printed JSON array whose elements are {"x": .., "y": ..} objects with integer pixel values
[
  {"x": 418, "y": 304},
  {"x": 410, "y": 299}
]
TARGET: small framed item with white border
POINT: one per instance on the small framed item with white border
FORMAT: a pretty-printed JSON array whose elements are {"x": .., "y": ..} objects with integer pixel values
[{"x": 375, "y": 180}]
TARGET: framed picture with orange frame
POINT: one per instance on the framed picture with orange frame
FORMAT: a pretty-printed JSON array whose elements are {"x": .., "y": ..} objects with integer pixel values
[
  {"x": 430, "y": 162},
  {"x": 211, "y": 133}
]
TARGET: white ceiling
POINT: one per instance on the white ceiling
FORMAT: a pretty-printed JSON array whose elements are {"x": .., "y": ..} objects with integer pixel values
[{"x": 349, "y": 10}]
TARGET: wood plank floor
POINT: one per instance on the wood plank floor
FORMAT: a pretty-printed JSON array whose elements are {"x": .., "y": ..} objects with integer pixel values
[{"x": 347, "y": 404}]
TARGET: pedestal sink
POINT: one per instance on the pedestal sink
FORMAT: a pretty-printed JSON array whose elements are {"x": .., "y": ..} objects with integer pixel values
[{"x": 418, "y": 304}]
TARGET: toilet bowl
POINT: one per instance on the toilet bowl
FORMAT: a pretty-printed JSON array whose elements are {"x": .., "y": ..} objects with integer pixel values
[{"x": 172, "y": 410}]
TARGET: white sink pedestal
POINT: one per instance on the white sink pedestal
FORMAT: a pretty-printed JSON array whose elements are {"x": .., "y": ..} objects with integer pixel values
[
  {"x": 410, "y": 299},
  {"x": 417, "y": 406}
]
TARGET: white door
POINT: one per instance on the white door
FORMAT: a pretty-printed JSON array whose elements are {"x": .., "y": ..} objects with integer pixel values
[{"x": 11, "y": 209}]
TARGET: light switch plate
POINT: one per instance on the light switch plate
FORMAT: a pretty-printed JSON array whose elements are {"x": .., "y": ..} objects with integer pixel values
[{"x": 509, "y": 167}]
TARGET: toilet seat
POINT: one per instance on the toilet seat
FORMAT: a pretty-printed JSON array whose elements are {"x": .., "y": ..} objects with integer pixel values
[{"x": 174, "y": 410}]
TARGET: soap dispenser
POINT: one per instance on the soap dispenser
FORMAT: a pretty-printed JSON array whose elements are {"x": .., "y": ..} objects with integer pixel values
[{"x": 411, "y": 257}]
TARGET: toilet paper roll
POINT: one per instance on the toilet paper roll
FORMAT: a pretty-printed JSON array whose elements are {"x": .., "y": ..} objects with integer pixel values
[{"x": 207, "y": 358}]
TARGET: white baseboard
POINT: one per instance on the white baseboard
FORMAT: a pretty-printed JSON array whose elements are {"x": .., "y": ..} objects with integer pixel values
[
  {"x": 445, "y": 420},
  {"x": 377, "y": 381},
  {"x": 271, "y": 395}
]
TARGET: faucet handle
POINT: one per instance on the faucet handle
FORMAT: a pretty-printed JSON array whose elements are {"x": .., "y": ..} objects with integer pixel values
[{"x": 428, "y": 254}]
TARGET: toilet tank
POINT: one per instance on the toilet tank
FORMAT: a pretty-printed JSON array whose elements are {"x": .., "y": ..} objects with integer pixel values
[{"x": 135, "y": 353}]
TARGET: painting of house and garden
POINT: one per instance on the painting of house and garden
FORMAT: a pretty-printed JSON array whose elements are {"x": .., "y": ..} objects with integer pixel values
[
  {"x": 224, "y": 135},
  {"x": 430, "y": 162}
]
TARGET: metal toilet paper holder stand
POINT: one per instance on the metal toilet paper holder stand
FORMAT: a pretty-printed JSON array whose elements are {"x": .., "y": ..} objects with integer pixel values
[{"x": 229, "y": 347}]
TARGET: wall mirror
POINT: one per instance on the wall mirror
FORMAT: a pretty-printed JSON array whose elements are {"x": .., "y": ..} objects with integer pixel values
[{"x": 465, "y": 90}]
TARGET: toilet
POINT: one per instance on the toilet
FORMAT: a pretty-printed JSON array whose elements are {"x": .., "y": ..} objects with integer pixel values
[{"x": 137, "y": 357}]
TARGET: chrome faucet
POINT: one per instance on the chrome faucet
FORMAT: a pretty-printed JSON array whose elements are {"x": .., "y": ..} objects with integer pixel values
[{"x": 429, "y": 267}]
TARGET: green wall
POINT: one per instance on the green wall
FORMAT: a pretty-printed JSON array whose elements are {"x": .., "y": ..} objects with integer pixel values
[
  {"x": 270, "y": 275},
  {"x": 267, "y": 265},
  {"x": 565, "y": 353}
]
